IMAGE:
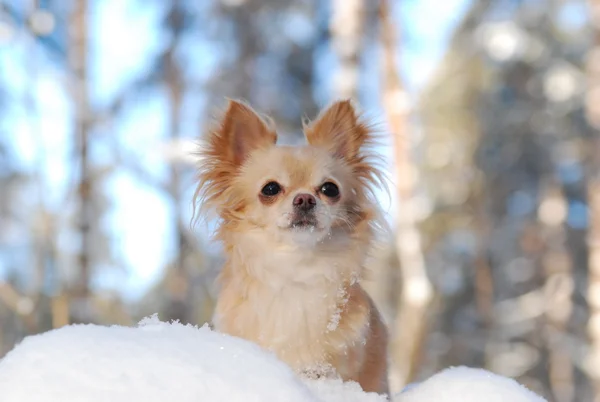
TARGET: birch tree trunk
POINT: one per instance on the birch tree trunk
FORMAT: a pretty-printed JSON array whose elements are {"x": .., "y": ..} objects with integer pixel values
[
  {"x": 409, "y": 328},
  {"x": 178, "y": 288},
  {"x": 347, "y": 36},
  {"x": 78, "y": 50},
  {"x": 558, "y": 291}
]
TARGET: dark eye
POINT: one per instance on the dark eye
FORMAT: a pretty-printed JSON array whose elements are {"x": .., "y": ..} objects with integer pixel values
[
  {"x": 330, "y": 190},
  {"x": 270, "y": 189}
]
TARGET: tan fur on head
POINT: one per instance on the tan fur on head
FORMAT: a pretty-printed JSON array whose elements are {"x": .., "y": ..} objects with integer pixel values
[
  {"x": 241, "y": 131},
  {"x": 297, "y": 224},
  {"x": 340, "y": 130}
]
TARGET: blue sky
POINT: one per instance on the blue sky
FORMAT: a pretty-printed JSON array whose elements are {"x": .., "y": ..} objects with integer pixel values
[{"x": 141, "y": 220}]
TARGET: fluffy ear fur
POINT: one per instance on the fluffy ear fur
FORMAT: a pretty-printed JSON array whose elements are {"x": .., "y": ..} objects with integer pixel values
[
  {"x": 345, "y": 135},
  {"x": 339, "y": 130},
  {"x": 240, "y": 131}
]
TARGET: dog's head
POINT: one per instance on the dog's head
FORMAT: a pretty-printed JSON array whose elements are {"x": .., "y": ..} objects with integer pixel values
[{"x": 304, "y": 195}]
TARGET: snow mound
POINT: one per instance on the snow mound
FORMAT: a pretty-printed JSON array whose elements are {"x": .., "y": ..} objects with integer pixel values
[
  {"x": 156, "y": 361},
  {"x": 338, "y": 391},
  {"x": 159, "y": 361},
  {"x": 463, "y": 384}
]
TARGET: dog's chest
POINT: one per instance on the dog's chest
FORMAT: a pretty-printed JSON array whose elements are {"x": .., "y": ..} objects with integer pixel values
[
  {"x": 297, "y": 323},
  {"x": 290, "y": 304},
  {"x": 294, "y": 315}
]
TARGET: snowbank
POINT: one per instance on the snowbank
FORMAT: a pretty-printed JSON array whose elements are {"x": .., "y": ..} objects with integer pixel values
[
  {"x": 156, "y": 361},
  {"x": 463, "y": 384},
  {"x": 162, "y": 362}
]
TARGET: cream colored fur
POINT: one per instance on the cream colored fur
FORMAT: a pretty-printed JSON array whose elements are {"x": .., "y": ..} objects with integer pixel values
[{"x": 296, "y": 290}]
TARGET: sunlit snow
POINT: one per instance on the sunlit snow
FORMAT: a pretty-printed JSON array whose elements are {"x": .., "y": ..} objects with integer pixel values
[{"x": 160, "y": 362}]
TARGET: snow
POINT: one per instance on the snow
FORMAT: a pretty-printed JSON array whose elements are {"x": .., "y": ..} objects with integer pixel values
[
  {"x": 159, "y": 361},
  {"x": 334, "y": 321},
  {"x": 338, "y": 391},
  {"x": 464, "y": 384},
  {"x": 156, "y": 361}
]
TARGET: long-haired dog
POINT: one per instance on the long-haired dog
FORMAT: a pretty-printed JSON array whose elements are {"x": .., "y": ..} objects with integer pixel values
[{"x": 297, "y": 224}]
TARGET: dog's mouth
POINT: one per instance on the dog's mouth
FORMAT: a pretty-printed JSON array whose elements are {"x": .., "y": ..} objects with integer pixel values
[{"x": 304, "y": 222}]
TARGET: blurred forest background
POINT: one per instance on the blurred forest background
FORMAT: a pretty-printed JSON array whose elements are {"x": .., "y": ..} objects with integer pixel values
[{"x": 492, "y": 110}]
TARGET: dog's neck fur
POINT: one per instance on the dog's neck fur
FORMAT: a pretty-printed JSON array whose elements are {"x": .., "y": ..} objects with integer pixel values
[{"x": 288, "y": 289}]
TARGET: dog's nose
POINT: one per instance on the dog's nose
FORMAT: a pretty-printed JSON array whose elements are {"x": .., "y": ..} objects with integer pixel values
[{"x": 305, "y": 202}]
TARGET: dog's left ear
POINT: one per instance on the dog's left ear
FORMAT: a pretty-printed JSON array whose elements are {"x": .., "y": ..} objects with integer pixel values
[{"x": 338, "y": 129}]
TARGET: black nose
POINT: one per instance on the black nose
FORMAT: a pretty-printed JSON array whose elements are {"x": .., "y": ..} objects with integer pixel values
[{"x": 304, "y": 202}]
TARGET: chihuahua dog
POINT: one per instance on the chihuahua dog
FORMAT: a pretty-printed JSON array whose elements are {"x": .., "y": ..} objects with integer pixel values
[{"x": 297, "y": 224}]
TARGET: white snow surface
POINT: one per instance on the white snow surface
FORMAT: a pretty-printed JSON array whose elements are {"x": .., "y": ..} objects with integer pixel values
[
  {"x": 156, "y": 361},
  {"x": 159, "y": 361},
  {"x": 464, "y": 384}
]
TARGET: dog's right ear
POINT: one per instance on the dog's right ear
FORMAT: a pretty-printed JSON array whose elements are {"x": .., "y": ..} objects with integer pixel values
[{"x": 241, "y": 131}]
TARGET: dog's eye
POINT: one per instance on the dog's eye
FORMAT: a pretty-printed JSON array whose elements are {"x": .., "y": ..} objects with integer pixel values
[
  {"x": 330, "y": 190},
  {"x": 270, "y": 189}
]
